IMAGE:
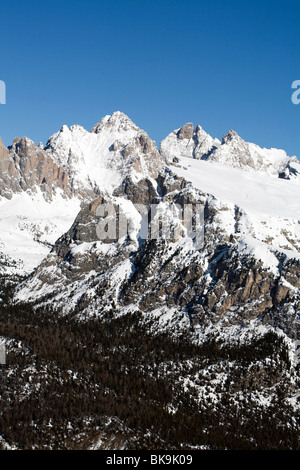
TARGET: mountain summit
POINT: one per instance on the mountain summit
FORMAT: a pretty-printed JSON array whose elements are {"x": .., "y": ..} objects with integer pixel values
[
  {"x": 42, "y": 188},
  {"x": 114, "y": 148}
]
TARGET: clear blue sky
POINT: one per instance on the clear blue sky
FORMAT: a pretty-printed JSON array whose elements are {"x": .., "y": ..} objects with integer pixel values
[{"x": 222, "y": 64}]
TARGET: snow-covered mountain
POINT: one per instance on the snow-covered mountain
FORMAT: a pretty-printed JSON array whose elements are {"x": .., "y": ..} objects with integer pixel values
[
  {"x": 188, "y": 142},
  {"x": 248, "y": 210},
  {"x": 233, "y": 277},
  {"x": 232, "y": 151},
  {"x": 42, "y": 188},
  {"x": 114, "y": 148},
  {"x": 257, "y": 212}
]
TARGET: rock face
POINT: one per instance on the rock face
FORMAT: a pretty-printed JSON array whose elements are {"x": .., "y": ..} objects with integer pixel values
[
  {"x": 234, "y": 151},
  {"x": 211, "y": 283},
  {"x": 36, "y": 167},
  {"x": 8, "y": 171},
  {"x": 186, "y": 132},
  {"x": 25, "y": 166}
]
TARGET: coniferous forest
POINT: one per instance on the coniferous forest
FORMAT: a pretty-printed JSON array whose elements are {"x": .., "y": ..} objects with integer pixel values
[{"x": 70, "y": 384}]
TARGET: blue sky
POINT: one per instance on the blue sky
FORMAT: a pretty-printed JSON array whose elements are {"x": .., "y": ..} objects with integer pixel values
[{"x": 221, "y": 64}]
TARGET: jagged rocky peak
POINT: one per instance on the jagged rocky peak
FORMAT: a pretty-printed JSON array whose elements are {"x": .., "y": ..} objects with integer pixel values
[
  {"x": 230, "y": 136},
  {"x": 28, "y": 156},
  {"x": 27, "y": 167},
  {"x": 128, "y": 137},
  {"x": 22, "y": 146},
  {"x": 103, "y": 157},
  {"x": 119, "y": 121},
  {"x": 233, "y": 150},
  {"x": 78, "y": 161},
  {"x": 237, "y": 152},
  {"x": 9, "y": 182},
  {"x": 187, "y": 142}
]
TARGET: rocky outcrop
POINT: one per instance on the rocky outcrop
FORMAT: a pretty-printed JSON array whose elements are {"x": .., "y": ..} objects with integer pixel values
[
  {"x": 9, "y": 175},
  {"x": 143, "y": 193},
  {"x": 36, "y": 167},
  {"x": 186, "y": 132},
  {"x": 27, "y": 167},
  {"x": 291, "y": 170}
]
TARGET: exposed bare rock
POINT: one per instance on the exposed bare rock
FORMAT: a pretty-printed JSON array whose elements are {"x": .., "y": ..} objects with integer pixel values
[{"x": 186, "y": 132}]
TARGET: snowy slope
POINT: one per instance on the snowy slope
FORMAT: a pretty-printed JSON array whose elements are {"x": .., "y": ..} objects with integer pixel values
[
  {"x": 29, "y": 225},
  {"x": 269, "y": 209},
  {"x": 85, "y": 155},
  {"x": 254, "y": 192}
]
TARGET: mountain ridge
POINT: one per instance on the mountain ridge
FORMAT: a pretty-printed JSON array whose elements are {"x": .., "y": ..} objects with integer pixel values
[
  {"x": 77, "y": 165},
  {"x": 191, "y": 142}
]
